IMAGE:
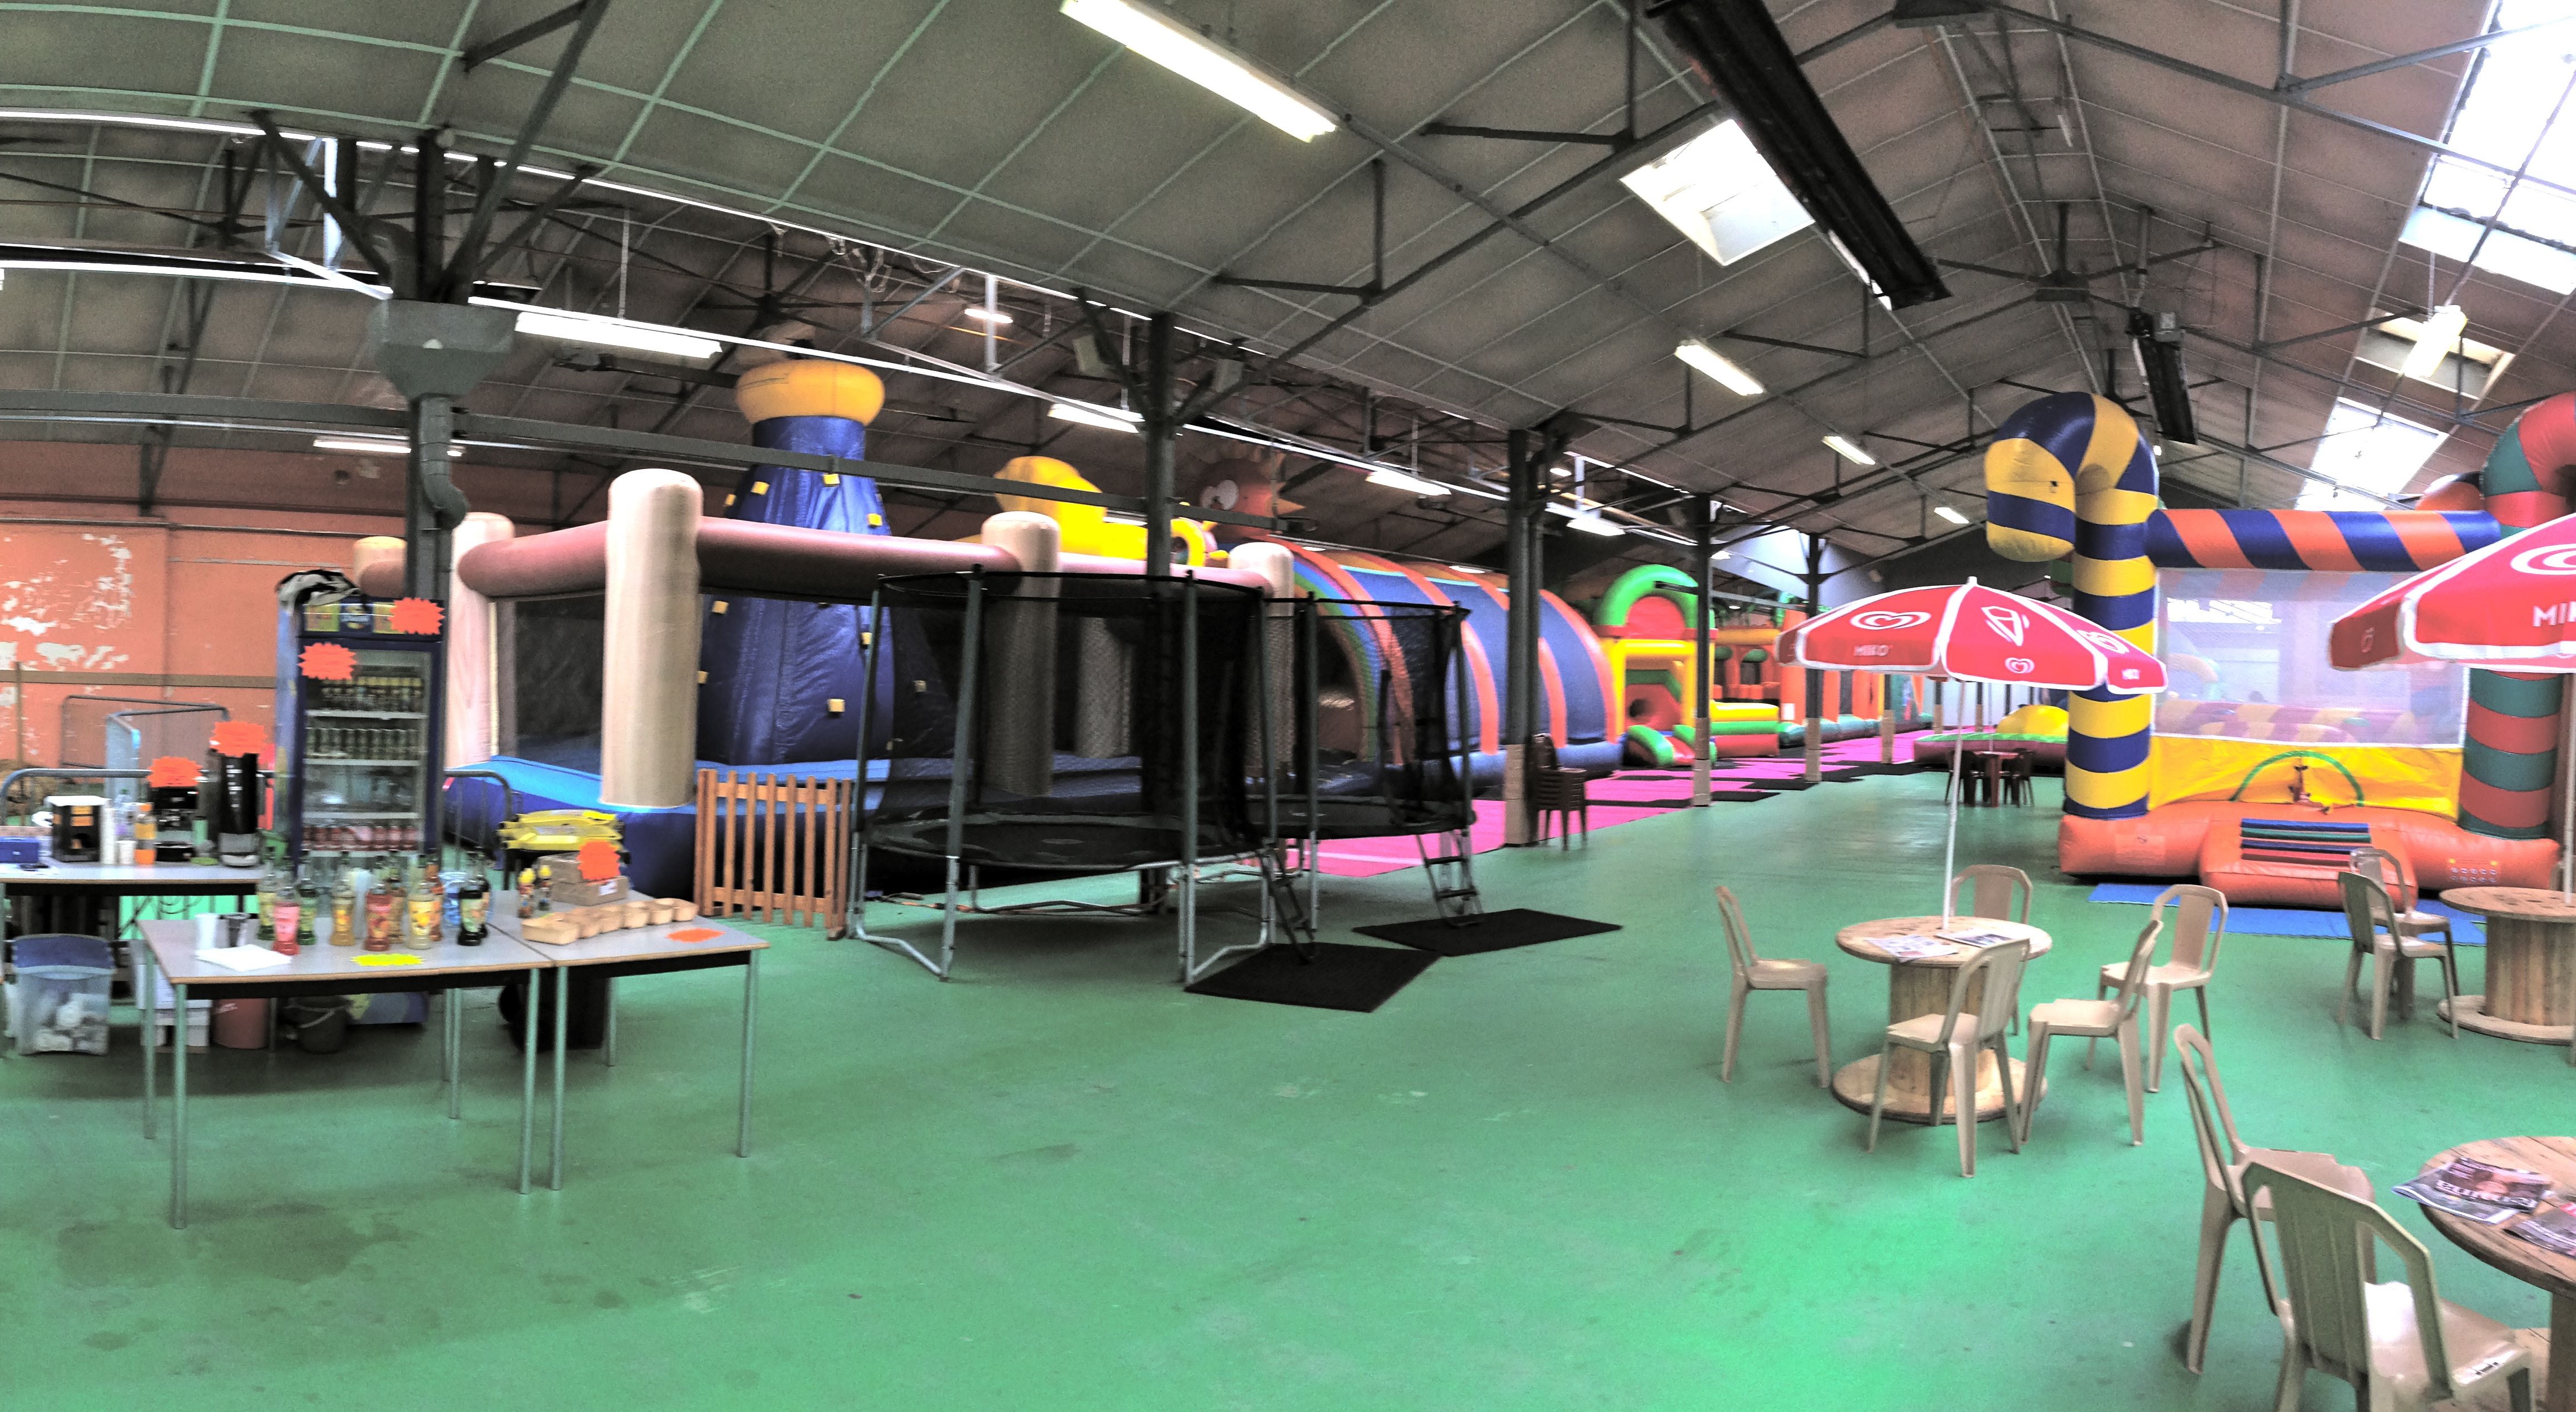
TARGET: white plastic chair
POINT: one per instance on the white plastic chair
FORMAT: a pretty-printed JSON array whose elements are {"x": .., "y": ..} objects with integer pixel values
[
  {"x": 2223, "y": 1160},
  {"x": 2400, "y": 1344},
  {"x": 2116, "y": 1018},
  {"x": 2199, "y": 929},
  {"x": 1755, "y": 972},
  {"x": 1954, "y": 1039},
  {"x": 1993, "y": 891},
  {"x": 2392, "y": 874},
  {"x": 2378, "y": 936}
]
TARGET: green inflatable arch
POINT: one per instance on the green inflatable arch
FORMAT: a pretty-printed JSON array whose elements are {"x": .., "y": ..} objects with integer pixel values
[{"x": 1640, "y": 581}]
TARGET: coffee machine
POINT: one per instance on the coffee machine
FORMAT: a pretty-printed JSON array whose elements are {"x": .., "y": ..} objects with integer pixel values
[
  {"x": 80, "y": 827},
  {"x": 237, "y": 809}
]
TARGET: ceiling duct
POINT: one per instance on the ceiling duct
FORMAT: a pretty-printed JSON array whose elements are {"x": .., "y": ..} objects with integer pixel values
[
  {"x": 2157, "y": 339},
  {"x": 1740, "y": 53}
]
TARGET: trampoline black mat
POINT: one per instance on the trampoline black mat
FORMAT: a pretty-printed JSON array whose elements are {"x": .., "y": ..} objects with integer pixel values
[
  {"x": 1340, "y": 977},
  {"x": 1494, "y": 931}
]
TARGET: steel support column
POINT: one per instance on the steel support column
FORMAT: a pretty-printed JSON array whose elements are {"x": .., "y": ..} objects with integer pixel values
[
  {"x": 1815, "y": 577},
  {"x": 1703, "y": 560},
  {"x": 1162, "y": 432}
]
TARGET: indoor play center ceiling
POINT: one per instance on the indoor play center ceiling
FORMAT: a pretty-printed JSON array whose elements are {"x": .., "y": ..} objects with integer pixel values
[{"x": 838, "y": 160}]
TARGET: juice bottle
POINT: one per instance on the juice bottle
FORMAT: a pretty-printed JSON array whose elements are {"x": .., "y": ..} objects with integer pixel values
[
  {"x": 344, "y": 910},
  {"x": 286, "y": 916},
  {"x": 308, "y": 910},
  {"x": 381, "y": 921},
  {"x": 425, "y": 904}
]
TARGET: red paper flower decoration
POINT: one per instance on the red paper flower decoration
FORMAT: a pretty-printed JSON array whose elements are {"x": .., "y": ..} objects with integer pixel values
[
  {"x": 418, "y": 615},
  {"x": 240, "y": 738},
  {"x": 328, "y": 661},
  {"x": 598, "y": 860},
  {"x": 174, "y": 772}
]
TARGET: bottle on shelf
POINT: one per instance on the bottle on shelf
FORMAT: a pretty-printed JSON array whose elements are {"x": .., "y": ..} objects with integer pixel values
[
  {"x": 344, "y": 909},
  {"x": 287, "y": 917},
  {"x": 473, "y": 902},
  {"x": 381, "y": 921}
]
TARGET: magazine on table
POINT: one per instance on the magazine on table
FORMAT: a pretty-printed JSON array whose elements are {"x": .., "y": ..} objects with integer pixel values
[
  {"x": 1975, "y": 938},
  {"x": 1914, "y": 947},
  {"x": 2552, "y": 1228},
  {"x": 2478, "y": 1191}
]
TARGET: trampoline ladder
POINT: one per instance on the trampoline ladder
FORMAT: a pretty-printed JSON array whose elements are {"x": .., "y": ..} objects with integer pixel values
[
  {"x": 1284, "y": 913},
  {"x": 1452, "y": 875}
]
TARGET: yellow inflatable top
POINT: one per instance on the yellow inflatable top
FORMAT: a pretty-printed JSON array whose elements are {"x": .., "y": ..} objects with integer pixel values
[{"x": 1087, "y": 529}]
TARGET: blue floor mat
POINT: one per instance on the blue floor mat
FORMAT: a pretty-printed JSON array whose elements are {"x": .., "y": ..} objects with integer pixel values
[{"x": 2291, "y": 921}]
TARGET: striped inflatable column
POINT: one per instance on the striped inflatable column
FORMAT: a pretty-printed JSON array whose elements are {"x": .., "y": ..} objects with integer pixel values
[
  {"x": 2514, "y": 717},
  {"x": 2071, "y": 473}
]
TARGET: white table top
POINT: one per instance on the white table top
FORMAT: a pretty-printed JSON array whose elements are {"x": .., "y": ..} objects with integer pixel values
[
  {"x": 125, "y": 875},
  {"x": 627, "y": 944},
  {"x": 174, "y": 950}
]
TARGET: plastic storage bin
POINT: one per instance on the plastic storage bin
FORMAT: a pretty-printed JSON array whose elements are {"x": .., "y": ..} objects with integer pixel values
[
  {"x": 201, "y": 1015},
  {"x": 58, "y": 1001}
]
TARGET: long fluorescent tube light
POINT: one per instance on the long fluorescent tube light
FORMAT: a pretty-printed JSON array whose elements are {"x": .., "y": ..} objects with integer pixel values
[
  {"x": 373, "y": 446},
  {"x": 617, "y": 333},
  {"x": 1720, "y": 369},
  {"x": 1405, "y": 480},
  {"x": 2442, "y": 330},
  {"x": 1083, "y": 414},
  {"x": 1160, "y": 37},
  {"x": 1850, "y": 450},
  {"x": 982, "y": 315},
  {"x": 1947, "y": 513}
]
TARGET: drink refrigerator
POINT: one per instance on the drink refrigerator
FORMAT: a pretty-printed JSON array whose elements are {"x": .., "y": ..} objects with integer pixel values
[{"x": 358, "y": 769}]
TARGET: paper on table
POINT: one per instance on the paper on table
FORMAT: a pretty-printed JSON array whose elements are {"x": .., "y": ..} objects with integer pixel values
[
  {"x": 245, "y": 958},
  {"x": 1910, "y": 948},
  {"x": 1975, "y": 937}
]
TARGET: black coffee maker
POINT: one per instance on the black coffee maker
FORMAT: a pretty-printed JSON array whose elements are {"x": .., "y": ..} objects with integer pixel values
[
  {"x": 237, "y": 801},
  {"x": 174, "y": 822}
]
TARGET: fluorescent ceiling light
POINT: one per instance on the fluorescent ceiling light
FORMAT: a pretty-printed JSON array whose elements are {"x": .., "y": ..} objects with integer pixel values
[
  {"x": 1158, "y": 36},
  {"x": 618, "y": 333},
  {"x": 1121, "y": 517},
  {"x": 1083, "y": 414},
  {"x": 981, "y": 314},
  {"x": 1718, "y": 191},
  {"x": 1850, "y": 450},
  {"x": 374, "y": 446},
  {"x": 1406, "y": 480},
  {"x": 1720, "y": 369},
  {"x": 1721, "y": 554},
  {"x": 1950, "y": 514},
  {"x": 2433, "y": 343}
]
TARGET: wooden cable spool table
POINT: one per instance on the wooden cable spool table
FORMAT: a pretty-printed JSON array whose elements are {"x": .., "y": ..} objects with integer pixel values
[
  {"x": 2531, "y": 964},
  {"x": 1922, "y": 987},
  {"x": 2554, "y": 1158}
]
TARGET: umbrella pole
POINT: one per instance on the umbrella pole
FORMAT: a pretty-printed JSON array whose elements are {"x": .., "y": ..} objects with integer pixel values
[
  {"x": 2567, "y": 812},
  {"x": 1950, "y": 850}
]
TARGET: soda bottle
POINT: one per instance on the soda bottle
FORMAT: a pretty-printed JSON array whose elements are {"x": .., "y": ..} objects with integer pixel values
[
  {"x": 308, "y": 908},
  {"x": 473, "y": 902},
  {"x": 286, "y": 917},
  {"x": 344, "y": 910}
]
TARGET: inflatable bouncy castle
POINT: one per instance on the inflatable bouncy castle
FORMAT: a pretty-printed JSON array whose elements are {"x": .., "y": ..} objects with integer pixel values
[{"x": 2263, "y": 768}]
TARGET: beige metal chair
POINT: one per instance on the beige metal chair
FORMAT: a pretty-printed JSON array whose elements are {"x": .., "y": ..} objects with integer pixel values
[
  {"x": 2377, "y": 935},
  {"x": 1755, "y": 972},
  {"x": 2115, "y": 1018},
  {"x": 1993, "y": 891},
  {"x": 2223, "y": 1160},
  {"x": 1954, "y": 1039},
  {"x": 2400, "y": 1344},
  {"x": 2391, "y": 873},
  {"x": 2199, "y": 929}
]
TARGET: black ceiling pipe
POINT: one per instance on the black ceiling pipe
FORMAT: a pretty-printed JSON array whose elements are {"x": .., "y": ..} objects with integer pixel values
[{"x": 1742, "y": 56}]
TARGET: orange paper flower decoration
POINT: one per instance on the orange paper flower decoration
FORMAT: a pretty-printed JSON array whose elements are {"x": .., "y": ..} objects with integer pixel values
[
  {"x": 240, "y": 738},
  {"x": 598, "y": 860},
  {"x": 328, "y": 661},
  {"x": 418, "y": 615},
  {"x": 174, "y": 772}
]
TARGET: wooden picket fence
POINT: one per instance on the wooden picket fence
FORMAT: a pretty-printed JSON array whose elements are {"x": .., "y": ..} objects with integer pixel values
[{"x": 775, "y": 845}]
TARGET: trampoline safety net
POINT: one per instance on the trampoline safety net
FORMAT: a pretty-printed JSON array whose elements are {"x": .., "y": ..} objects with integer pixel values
[
  {"x": 1373, "y": 732},
  {"x": 1065, "y": 721}
]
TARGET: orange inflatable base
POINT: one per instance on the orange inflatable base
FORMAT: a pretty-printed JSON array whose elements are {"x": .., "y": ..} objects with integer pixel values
[{"x": 2199, "y": 838}]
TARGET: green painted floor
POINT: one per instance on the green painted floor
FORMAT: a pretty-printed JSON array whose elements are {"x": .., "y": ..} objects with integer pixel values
[{"x": 1060, "y": 1183}]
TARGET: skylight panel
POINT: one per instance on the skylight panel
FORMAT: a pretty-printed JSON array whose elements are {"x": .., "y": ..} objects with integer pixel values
[
  {"x": 2368, "y": 450},
  {"x": 1718, "y": 191},
  {"x": 2469, "y": 368},
  {"x": 2510, "y": 113}
]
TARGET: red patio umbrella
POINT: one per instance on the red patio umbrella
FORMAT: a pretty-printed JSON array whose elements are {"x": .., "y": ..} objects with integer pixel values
[
  {"x": 1968, "y": 632},
  {"x": 2510, "y": 607}
]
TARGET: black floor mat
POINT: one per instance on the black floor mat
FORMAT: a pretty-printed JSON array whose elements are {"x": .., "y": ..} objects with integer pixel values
[
  {"x": 1341, "y": 977},
  {"x": 1719, "y": 795},
  {"x": 1495, "y": 931},
  {"x": 1782, "y": 786},
  {"x": 1856, "y": 771}
]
